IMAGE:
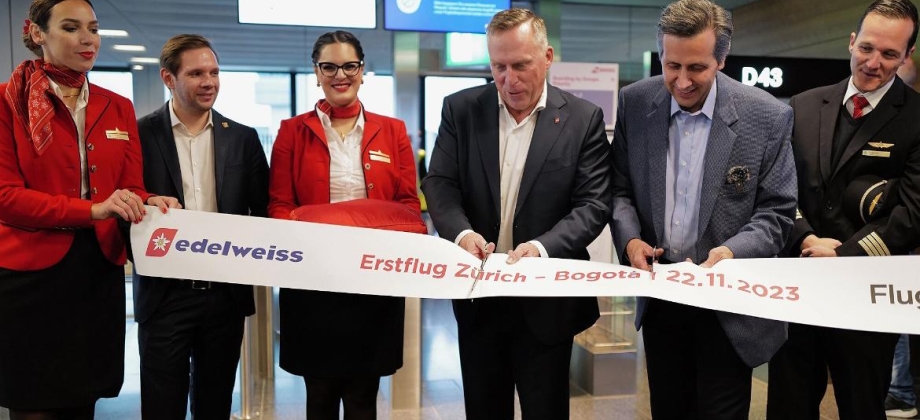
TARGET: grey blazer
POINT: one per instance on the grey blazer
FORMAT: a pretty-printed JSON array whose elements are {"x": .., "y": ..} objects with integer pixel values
[{"x": 750, "y": 128}]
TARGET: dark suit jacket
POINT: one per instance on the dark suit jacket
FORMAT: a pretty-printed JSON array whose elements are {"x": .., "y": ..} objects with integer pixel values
[
  {"x": 564, "y": 193},
  {"x": 241, "y": 175},
  {"x": 893, "y": 127},
  {"x": 750, "y": 128},
  {"x": 336, "y": 334},
  {"x": 39, "y": 195}
]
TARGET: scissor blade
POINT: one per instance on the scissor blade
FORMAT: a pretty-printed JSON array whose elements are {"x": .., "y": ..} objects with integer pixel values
[{"x": 479, "y": 274}]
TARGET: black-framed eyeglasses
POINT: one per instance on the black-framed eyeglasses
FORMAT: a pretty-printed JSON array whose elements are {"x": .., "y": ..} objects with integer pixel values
[{"x": 350, "y": 68}]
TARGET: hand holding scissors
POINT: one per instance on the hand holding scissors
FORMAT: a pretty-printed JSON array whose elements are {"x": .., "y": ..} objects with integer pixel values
[
  {"x": 642, "y": 255},
  {"x": 475, "y": 244}
]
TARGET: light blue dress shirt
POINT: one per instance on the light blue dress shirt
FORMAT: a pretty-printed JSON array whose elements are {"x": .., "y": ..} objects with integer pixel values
[{"x": 688, "y": 135}]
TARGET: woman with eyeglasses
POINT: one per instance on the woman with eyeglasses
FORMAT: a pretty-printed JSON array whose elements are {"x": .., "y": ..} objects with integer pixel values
[
  {"x": 70, "y": 166},
  {"x": 341, "y": 344}
]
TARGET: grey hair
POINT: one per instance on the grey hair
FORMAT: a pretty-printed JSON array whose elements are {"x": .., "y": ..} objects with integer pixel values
[{"x": 512, "y": 18}]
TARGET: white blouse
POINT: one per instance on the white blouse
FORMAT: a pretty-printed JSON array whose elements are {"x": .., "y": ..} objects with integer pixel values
[{"x": 346, "y": 175}]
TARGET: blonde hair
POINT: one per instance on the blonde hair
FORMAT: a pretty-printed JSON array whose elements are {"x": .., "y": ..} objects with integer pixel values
[{"x": 512, "y": 18}]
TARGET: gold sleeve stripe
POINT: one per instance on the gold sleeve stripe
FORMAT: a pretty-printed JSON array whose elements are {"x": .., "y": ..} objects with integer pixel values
[
  {"x": 874, "y": 245},
  {"x": 879, "y": 243},
  {"x": 869, "y": 247}
]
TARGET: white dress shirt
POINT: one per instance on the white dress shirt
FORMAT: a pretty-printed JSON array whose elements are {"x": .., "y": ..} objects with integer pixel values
[
  {"x": 513, "y": 144},
  {"x": 196, "y": 162},
  {"x": 346, "y": 176}
]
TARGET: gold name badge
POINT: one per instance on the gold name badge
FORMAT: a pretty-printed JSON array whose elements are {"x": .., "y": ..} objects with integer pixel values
[
  {"x": 116, "y": 134},
  {"x": 876, "y": 153},
  {"x": 379, "y": 156}
]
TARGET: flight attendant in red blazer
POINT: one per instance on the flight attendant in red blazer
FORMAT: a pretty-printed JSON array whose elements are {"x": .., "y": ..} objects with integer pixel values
[
  {"x": 341, "y": 344},
  {"x": 70, "y": 164}
]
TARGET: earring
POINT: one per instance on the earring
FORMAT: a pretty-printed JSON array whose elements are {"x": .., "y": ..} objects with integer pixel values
[
  {"x": 317, "y": 84},
  {"x": 362, "y": 81}
]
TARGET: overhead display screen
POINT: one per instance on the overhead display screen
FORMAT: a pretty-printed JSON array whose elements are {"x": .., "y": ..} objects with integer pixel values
[
  {"x": 465, "y": 50},
  {"x": 359, "y": 14},
  {"x": 469, "y": 16}
]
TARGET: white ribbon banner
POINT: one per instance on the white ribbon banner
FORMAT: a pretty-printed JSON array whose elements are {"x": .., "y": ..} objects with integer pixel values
[{"x": 860, "y": 293}]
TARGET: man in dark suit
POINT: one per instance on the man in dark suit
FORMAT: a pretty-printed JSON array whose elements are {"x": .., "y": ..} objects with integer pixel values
[
  {"x": 703, "y": 171},
  {"x": 189, "y": 332},
  {"x": 867, "y": 126},
  {"x": 524, "y": 165}
]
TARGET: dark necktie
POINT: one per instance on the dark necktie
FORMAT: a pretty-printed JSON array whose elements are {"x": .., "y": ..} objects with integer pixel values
[{"x": 859, "y": 102}]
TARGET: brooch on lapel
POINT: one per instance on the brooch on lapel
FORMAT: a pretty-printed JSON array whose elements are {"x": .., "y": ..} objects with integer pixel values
[
  {"x": 880, "y": 145},
  {"x": 878, "y": 153},
  {"x": 738, "y": 176}
]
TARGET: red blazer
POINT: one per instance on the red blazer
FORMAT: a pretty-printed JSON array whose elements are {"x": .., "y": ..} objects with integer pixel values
[
  {"x": 40, "y": 200},
  {"x": 299, "y": 173}
]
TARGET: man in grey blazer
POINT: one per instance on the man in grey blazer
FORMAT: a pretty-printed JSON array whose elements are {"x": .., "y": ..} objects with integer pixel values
[
  {"x": 189, "y": 332},
  {"x": 703, "y": 171},
  {"x": 524, "y": 165}
]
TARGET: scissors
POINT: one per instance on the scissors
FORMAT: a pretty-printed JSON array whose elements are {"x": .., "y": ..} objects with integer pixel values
[
  {"x": 654, "y": 257},
  {"x": 476, "y": 278}
]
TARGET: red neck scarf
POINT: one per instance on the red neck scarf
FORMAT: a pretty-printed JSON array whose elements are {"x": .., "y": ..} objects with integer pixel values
[
  {"x": 349, "y": 111},
  {"x": 29, "y": 95}
]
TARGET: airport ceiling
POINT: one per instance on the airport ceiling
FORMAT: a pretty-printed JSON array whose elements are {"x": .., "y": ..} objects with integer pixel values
[{"x": 592, "y": 30}]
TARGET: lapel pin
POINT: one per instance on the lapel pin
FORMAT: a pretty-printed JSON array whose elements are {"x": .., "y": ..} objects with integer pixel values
[
  {"x": 225, "y": 125},
  {"x": 880, "y": 145},
  {"x": 556, "y": 120}
]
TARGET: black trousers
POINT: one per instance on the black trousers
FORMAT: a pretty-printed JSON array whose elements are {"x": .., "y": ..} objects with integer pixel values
[
  {"x": 500, "y": 353},
  {"x": 189, "y": 349},
  {"x": 859, "y": 364},
  {"x": 694, "y": 372},
  {"x": 357, "y": 394}
]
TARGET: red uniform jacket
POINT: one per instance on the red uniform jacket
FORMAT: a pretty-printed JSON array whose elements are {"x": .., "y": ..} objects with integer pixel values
[
  {"x": 299, "y": 173},
  {"x": 40, "y": 200}
]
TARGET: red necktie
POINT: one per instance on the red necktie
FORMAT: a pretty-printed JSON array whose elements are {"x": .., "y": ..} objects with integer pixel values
[{"x": 859, "y": 102}]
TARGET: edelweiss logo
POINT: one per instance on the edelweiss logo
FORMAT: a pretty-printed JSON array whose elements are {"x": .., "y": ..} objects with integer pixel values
[
  {"x": 164, "y": 239},
  {"x": 160, "y": 242}
]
